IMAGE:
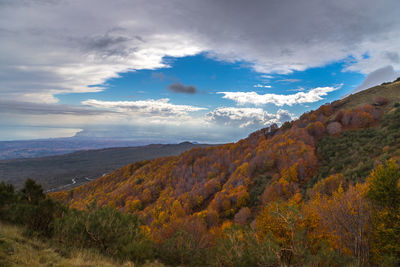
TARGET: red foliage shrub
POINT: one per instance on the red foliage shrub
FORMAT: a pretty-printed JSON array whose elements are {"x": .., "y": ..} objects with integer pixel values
[
  {"x": 327, "y": 110},
  {"x": 339, "y": 116},
  {"x": 361, "y": 119},
  {"x": 242, "y": 216},
  {"x": 334, "y": 128},
  {"x": 316, "y": 129},
  {"x": 381, "y": 101}
]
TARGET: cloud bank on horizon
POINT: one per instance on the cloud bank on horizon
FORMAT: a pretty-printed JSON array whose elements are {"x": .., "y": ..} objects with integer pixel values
[{"x": 49, "y": 49}]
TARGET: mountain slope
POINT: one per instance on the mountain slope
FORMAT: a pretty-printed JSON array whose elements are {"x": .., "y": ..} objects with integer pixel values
[
  {"x": 206, "y": 187},
  {"x": 82, "y": 166}
]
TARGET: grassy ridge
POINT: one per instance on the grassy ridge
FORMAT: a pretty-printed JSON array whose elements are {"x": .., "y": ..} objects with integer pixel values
[{"x": 390, "y": 91}]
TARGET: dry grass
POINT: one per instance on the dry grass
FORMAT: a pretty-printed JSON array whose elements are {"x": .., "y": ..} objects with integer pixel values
[
  {"x": 17, "y": 250},
  {"x": 390, "y": 91}
]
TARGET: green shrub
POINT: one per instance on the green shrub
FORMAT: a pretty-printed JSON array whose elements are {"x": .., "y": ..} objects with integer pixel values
[
  {"x": 38, "y": 219},
  {"x": 114, "y": 233},
  {"x": 70, "y": 228},
  {"x": 384, "y": 193},
  {"x": 7, "y": 198},
  {"x": 240, "y": 247},
  {"x": 258, "y": 188},
  {"x": 29, "y": 207},
  {"x": 181, "y": 249},
  {"x": 32, "y": 192}
]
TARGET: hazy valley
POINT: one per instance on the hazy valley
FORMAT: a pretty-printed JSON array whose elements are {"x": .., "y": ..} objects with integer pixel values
[{"x": 66, "y": 171}]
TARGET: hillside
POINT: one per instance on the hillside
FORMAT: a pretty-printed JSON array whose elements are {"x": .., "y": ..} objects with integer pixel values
[
  {"x": 82, "y": 166},
  {"x": 205, "y": 190}
]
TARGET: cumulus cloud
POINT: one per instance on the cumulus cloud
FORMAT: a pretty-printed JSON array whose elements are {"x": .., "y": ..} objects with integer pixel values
[
  {"x": 247, "y": 117},
  {"x": 254, "y": 98},
  {"x": 53, "y": 47},
  {"x": 149, "y": 108},
  {"x": 181, "y": 88},
  {"x": 385, "y": 74}
]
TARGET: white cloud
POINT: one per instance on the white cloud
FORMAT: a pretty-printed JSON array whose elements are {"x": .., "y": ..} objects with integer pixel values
[
  {"x": 254, "y": 98},
  {"x": 149, "y": 108},
  {"x": 378, "y": 52},
  {"x": 265, "y": 76},
  {"x": 253, "y": 118},
  {"x": 289, "y": 80},
  {"x": 262, "y": 86},
  {"x": 385, "y": 74},
  {"x": 54, "y": 48}
]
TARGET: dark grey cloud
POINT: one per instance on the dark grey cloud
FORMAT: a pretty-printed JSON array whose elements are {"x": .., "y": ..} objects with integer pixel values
[
  {"x": 28, "y": 2},
  {"x": 110, "y": 44},
  {"x": 104, "y": 42},
  {"x": 385, "y": 74},
  {"x": 81, "y": 43},
  {"x": 393, "y": 56},
  {"x": 181, "y": 88}
]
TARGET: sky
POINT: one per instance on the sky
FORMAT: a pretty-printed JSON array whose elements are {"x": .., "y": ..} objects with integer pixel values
[{"x": 185, "y": 70}]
